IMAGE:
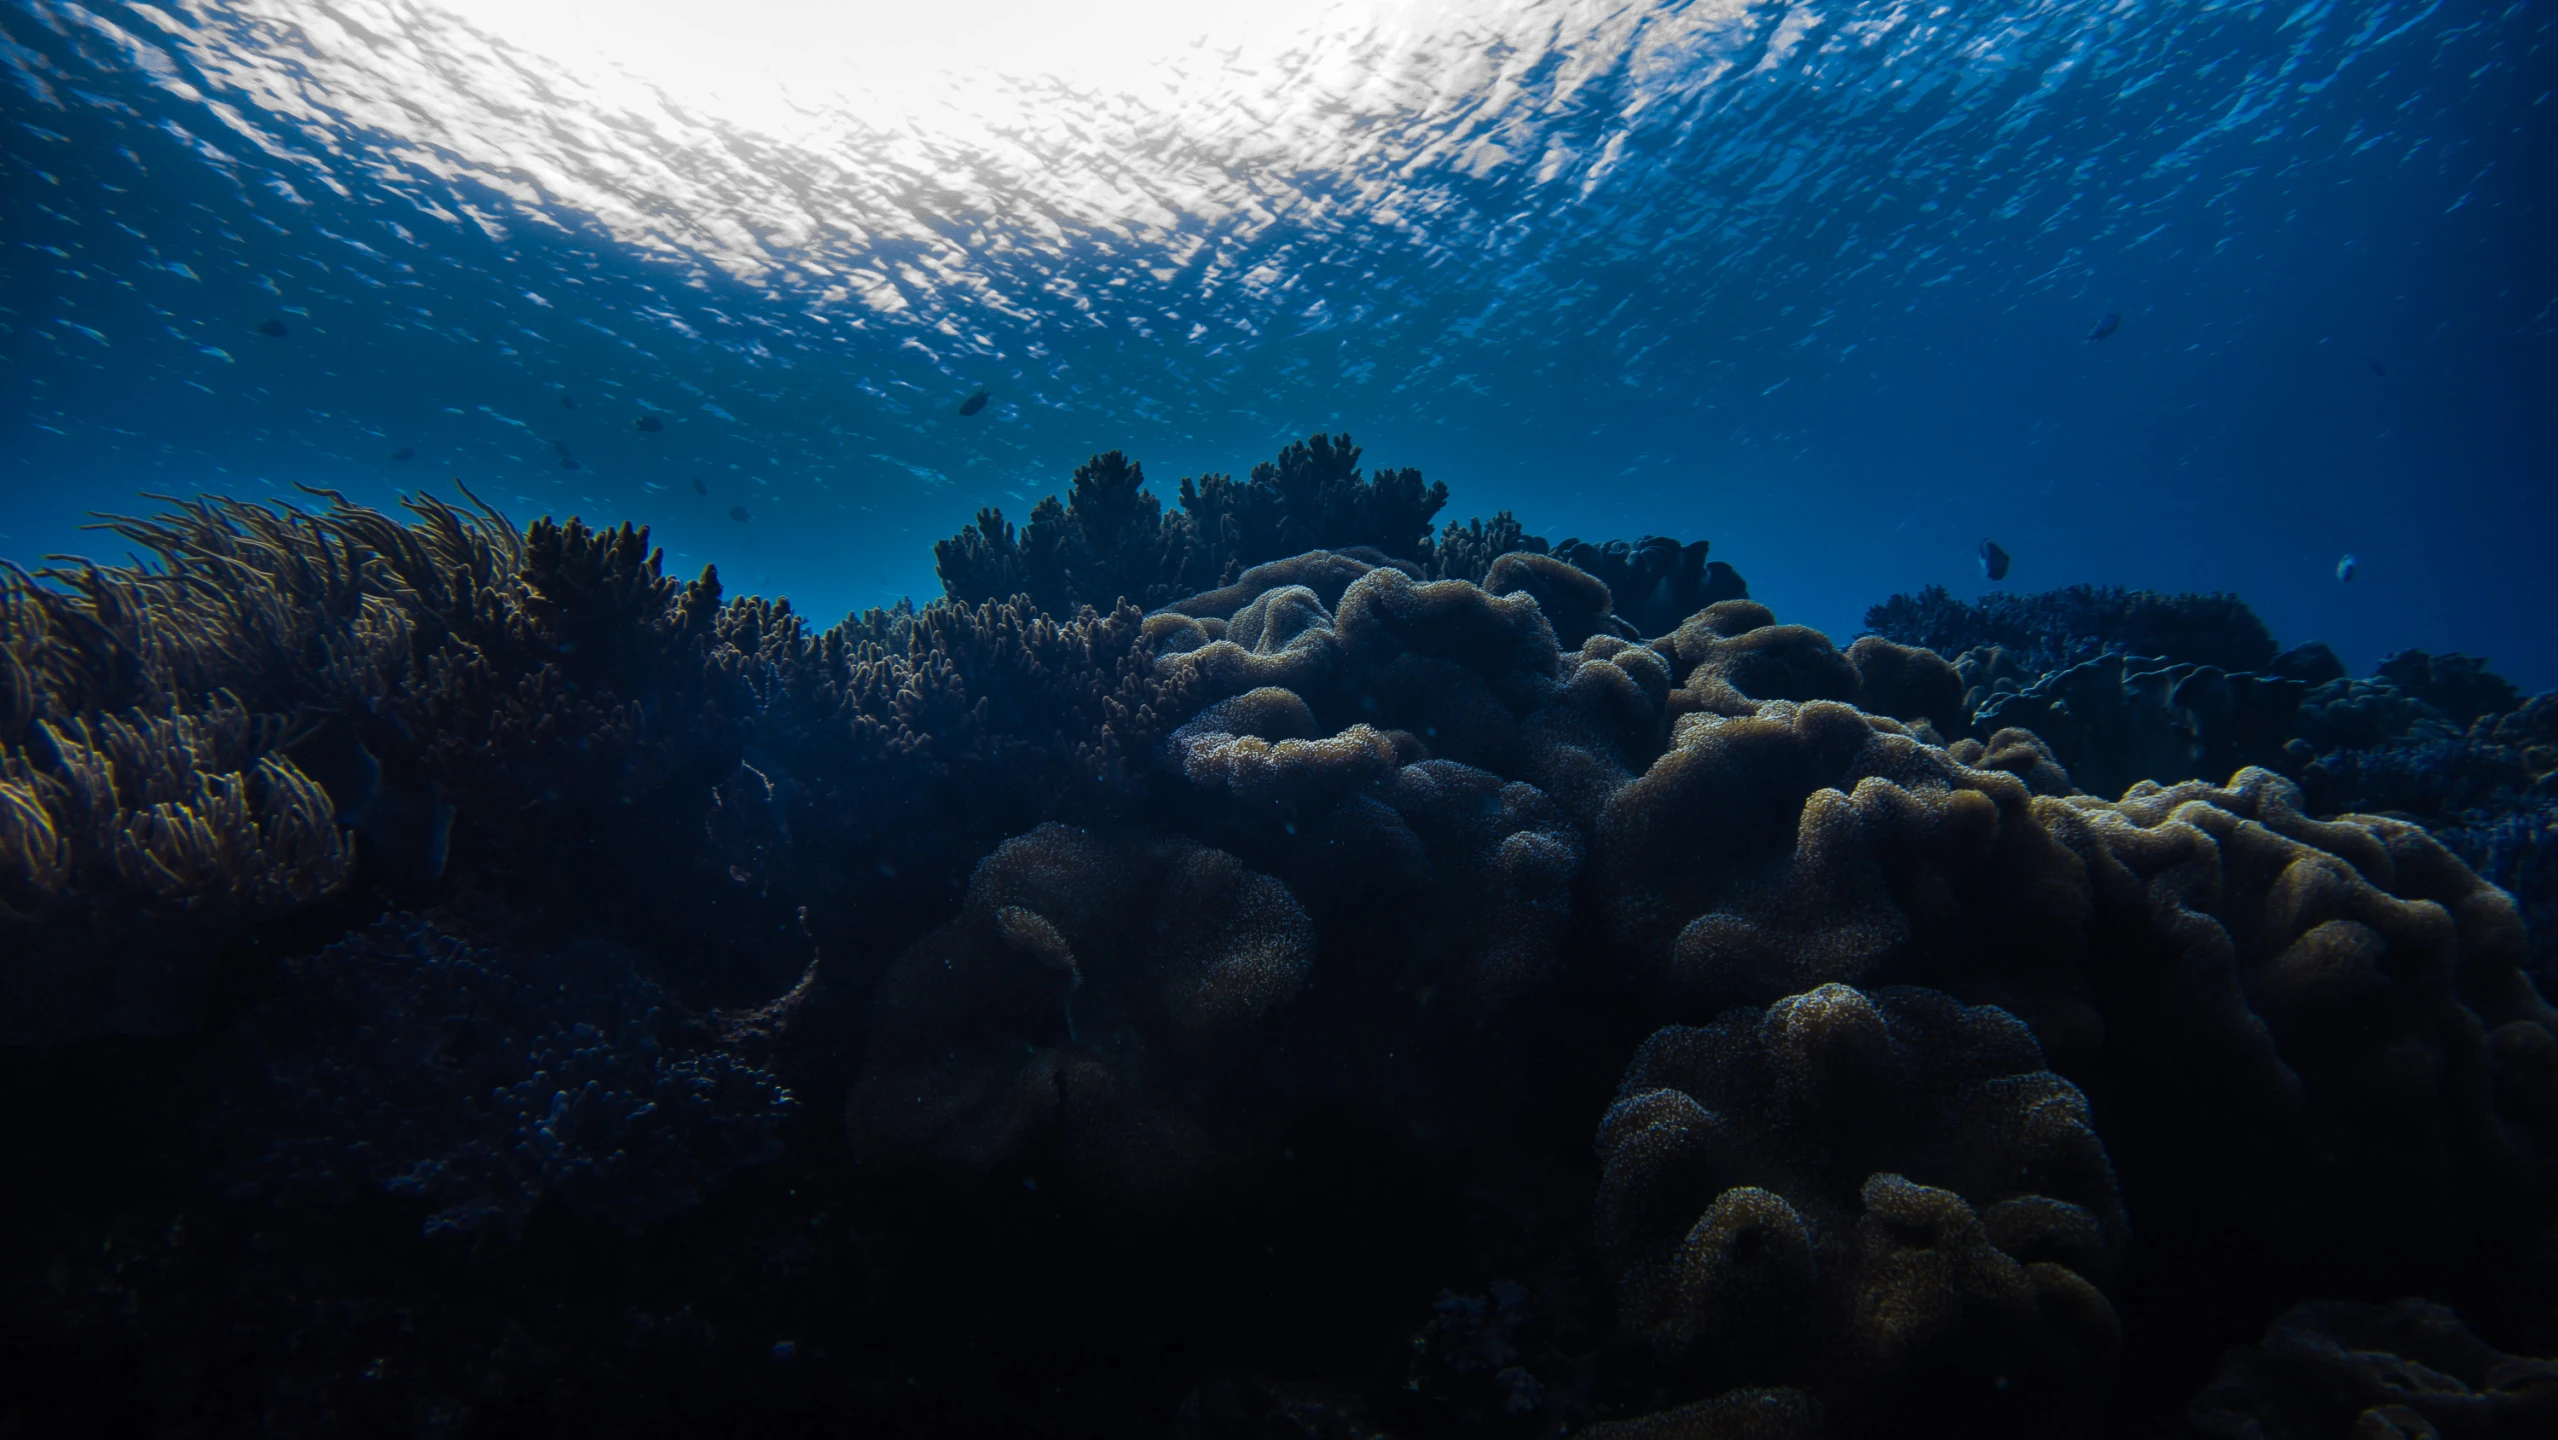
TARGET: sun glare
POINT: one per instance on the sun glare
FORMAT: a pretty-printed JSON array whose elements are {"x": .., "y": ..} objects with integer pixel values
[{"x": 780, "y": 66}]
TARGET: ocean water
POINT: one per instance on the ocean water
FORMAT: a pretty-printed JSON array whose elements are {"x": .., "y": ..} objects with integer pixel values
[
  {"x": 1812, "y": 281},
  {"x": 458, "y": 980}
]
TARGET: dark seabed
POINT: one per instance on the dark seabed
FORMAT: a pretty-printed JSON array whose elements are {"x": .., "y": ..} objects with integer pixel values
[{"x": 1906, "y": 783}]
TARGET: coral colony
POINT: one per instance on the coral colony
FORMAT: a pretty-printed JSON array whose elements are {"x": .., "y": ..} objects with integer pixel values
[{"x": 1257, "y": 967}]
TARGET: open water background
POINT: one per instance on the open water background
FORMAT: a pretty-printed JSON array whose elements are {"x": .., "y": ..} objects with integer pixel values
[{"x": 1810, "y": 280}]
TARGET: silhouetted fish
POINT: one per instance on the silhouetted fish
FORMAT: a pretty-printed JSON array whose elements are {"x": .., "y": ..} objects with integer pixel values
[
  {"x": 1993, "y": 560},
  {"x": 973, "y": 403},
  {"x": 648, "y": 424},
  {"x": 2105, "y": 327},
  {"x": 274, "y": 328},
  {"x": 2378, "y": 369},
  {"x": 2345, "y": 567},
  {"x": 737, "y": 512},
  {"x": 567, "y": 461},
  {"x": 699, "y": 488},
  {"x": 565, "y": 402},
  {"x": 405, "y": 452}
]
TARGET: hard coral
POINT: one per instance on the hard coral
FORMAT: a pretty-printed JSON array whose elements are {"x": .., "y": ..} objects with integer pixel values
[
  {"x": 1103, "y": 1003},
  {"x": 1845, "y": 1191}
]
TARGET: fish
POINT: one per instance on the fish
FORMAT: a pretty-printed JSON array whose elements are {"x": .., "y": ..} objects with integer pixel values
[
  {"x": 1993, "y": 560},
  {"x": 737, "y": 512},
  {"x": 699, "y": 488},
  {"x": 439, "y": 837},
  {"x": 565, "y": 402},
  {"x": 2346, "y": 566},
  {"x": 973, "y": 403},
  {"x": 405, "y": 452},
  {"x": 2105, "y": 327},
  {"x": 648, "y": 424},
  {"x": 274, "y": 329},
  {"x": 567, "y": 461},
  {"x": 2378, "y": 369}
]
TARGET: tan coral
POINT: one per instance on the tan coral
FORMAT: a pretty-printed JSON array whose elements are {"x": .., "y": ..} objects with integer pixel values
[{"x": 1844, "y": 1189}]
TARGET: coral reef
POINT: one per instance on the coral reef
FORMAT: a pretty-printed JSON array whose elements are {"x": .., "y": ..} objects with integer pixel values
[
  {"x": 2056, "y": 629},
  {"x": 480, "y": 1082},
  {"x": 1220, "y": 926}
]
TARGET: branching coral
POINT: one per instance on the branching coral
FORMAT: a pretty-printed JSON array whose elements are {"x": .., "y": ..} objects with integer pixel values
[
  {"x": 1844, "y": 1190},
  {"x": 1103, "y": 1003},
  {"x": 408, "y": 1059},
  {"x": 1110, "y": 541}
]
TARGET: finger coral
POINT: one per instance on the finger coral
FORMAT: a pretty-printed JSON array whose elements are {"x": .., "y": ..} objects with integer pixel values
[
  {"x": 1101, "y": 1003},
  {"x": 1845, "y": 1190}
]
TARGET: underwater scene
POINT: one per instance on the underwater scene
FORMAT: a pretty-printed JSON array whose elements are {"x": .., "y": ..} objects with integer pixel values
[{"x": 1635, "y": 719}]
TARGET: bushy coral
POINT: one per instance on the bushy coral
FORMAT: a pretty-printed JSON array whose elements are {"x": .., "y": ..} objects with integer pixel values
[
  {"x": 408, "y": 1059},
  {"x": 1111, "y": 541},
  {"x": 131, "y": 847}
]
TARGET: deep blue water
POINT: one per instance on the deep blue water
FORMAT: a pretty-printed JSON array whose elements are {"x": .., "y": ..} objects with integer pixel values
[{"x": 1811, "y": 280}]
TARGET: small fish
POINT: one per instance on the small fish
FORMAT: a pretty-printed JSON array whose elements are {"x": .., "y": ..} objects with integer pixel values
[
  {"x": 274, "y": 329},
  {"x": 2378, "y": 369},
  {"x": 737, "y": 512},
  {"x": 973, "y": 403},
  {"x": 439, "y": 838},
  {"x": 1993, "y": 560},
  {"x": 405, "y": 452},
  {"x": 567, "y": 461},
  {"x": 699, "y": 488},
  {"x": 2345, "y": 568},
  {"x": 565, "y": 402},
  {"x": 2105, "y": 327},
  {"x": 648, "y": 424}
]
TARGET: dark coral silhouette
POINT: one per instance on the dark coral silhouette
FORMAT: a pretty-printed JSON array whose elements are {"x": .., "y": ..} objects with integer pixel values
[{"x": 1102, "y": 1005}]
